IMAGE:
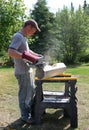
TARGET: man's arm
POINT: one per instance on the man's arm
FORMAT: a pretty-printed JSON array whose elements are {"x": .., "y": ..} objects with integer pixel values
[
  {"x": 14, "y": 53},
  {"x": 36, "y": 54},
  {"x": 25, "y": 55}
]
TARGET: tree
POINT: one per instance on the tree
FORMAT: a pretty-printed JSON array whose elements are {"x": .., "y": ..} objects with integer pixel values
[
  {"x": 45, "y": 19},
  {"x": 63, "y": 21},
  {"x": 85, "y": 5},
  {"x": 74, "y": 34},
  {"x": 11, "y": 19}
]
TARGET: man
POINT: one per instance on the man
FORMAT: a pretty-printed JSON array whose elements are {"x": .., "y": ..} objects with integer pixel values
[{"x": 19, "y": 50}]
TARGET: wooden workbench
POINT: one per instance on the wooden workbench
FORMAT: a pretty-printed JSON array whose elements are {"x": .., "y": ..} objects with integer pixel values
[{"x": 50, "y": 99}]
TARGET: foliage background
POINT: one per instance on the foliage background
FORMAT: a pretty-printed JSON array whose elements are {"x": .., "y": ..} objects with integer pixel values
[{"x": 64, "y": 36}]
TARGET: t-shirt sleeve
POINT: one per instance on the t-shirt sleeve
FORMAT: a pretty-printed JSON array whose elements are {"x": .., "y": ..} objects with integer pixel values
[{"x": 15, "y": 43}]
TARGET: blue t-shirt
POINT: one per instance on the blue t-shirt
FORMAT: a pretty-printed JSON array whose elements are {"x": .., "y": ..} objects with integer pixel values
[{"x": 19, "y": 43}]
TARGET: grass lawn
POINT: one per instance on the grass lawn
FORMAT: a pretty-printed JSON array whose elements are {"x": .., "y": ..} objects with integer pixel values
[{"x": 53, "y": 120}]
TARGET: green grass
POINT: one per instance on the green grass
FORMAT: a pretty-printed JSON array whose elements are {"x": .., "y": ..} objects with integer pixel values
[{"x": 53, "y": 120}]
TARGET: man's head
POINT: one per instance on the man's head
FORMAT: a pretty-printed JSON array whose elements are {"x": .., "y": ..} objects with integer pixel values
[
  {"x": 31, "y": 27},
  {"x": 32, "y": 23}
]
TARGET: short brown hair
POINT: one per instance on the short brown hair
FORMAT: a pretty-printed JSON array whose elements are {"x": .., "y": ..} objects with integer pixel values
[{"x": 33, "y": 23}]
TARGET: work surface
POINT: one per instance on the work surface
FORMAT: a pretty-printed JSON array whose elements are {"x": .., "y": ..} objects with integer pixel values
[{"x": 58, "y": 78}]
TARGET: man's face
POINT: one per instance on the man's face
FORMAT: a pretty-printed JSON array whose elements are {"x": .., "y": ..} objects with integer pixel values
[{"x": 30, "y": 30}]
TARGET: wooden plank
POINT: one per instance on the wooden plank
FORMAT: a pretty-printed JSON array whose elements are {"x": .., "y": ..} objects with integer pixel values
[
  {"x": 53, "y": 93},
  {"x": 65, "y": 75},
  {"x": 57, "y": 78},
  {"x": 53, "y": 100}
]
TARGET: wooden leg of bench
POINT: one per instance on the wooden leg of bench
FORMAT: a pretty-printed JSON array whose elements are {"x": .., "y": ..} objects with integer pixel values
[
  {"x": 73, "y": 105},
  {"x": 65, "y": 112},
  {"x": 74, "y": 117},
  {"x": 38, "y": 115}
]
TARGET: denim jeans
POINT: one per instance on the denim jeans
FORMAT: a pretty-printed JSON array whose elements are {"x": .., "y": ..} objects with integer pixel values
[{"x": 25, "y": 94}]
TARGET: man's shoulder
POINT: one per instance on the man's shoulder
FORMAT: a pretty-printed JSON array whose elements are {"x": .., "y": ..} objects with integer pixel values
[{"x": 18, "y": 35}]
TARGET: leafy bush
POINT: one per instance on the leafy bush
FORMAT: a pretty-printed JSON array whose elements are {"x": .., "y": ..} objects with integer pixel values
[
  {"x": 84, "y": 58},
  {"x": 5, "y": 60}
]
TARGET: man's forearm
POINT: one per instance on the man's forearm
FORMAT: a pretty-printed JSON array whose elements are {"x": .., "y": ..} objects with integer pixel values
[
  {"x": 34, "y": 53},
  {"x": 14, "y": 54}
]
